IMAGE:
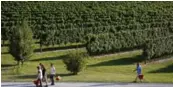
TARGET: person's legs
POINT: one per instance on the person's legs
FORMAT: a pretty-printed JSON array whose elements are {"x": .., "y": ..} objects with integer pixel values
[
  {"x": 40, "y": 82},
  {"x": 136, "y": 78},
  {"x": 140, "y": 80},
  {"x": 43, "y": 75},
  {"x": 53, "y": 80},
  {"x": 45, "y": 78}
]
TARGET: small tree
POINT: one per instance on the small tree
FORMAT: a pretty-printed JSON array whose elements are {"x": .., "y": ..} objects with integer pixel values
[
  {"x": 21, "y": 42},
  {"x": 75, "y": 62}
]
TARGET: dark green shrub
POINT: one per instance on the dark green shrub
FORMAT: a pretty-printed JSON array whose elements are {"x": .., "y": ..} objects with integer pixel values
[
  {"x": 75, "y": 62},
  {"x": 123, "y": 40},
  {"x": 158, "y": 48}
]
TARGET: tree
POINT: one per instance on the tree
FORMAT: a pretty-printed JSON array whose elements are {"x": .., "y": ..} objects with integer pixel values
[
  {"x": 3, "y": 35},
  {"x": 75, "y": 62},
  {"x": 21, "y": 42}
]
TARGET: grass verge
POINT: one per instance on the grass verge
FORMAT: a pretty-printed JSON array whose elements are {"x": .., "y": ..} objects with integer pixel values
[{"x": 113, "y": 68}]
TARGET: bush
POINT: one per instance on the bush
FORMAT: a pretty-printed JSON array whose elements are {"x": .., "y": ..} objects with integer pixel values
[{"x": 75, "y": 62}]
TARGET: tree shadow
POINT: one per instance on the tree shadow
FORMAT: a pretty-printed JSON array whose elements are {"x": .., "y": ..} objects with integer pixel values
[
  {"x": 60, "y": 48},
  {"x": 50, "y": 58},
  {"x": 167, "y": 69},
  {"x": 121, "y": 61},
  {"x": 7, "y": 65},
  {"x": 35, "y": 76},
  {"x": 4, "y": 45},
  {"x": 27, "y": 76},
  {"x": 64, "y": 74},
  {"x": 4, "y": 52}
]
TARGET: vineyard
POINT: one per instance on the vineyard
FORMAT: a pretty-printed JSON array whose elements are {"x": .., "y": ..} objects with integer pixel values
[{"x": 105, "y": 27}]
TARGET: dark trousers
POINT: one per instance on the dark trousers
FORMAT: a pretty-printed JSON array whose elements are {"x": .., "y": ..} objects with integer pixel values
[{"x": 52, "y": 79}]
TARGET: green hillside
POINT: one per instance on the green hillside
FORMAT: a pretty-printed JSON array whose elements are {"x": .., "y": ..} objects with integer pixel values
[{"x": 116, "y": 35}]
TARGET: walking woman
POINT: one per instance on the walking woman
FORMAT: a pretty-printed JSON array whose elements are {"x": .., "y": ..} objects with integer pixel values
[
  {"x": 44, "y": 73},
  {"x": 39, "y": 77}
]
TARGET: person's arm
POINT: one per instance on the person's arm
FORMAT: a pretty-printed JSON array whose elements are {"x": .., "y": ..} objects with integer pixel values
[
  {"x": 134, "y": 69},
  {"x": 52, "y": 71}
]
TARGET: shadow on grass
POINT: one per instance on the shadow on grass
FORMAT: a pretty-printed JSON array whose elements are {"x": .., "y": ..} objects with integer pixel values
[
  {"x": 4, "y": 52},
  {"x": 35, "y": 76},
  {"x": 7, "y": 65},
  {"x": 59, "y": 48},
  {"x": 27, "y": 76},
  {"x": 121, "y": 61},
  {"x": 65, "y": 74},
  {"x": 3, "y": 45},
  {"x": 168, "y": 69},
  {"x": 50, "y": 58}
]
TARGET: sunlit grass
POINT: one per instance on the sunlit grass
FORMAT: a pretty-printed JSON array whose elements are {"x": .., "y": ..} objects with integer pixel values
[{"x": 113, "y": 68}]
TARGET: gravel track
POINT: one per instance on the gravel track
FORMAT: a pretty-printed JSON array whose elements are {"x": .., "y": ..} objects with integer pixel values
[{"x": 82, "y": 84}]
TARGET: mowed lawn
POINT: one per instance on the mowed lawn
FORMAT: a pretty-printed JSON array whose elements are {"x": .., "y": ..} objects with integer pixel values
[{"x": 110, "y": 68}]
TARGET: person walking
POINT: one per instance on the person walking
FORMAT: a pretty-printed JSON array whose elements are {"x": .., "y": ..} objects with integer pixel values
[
  {"x": 44, "y": 74},
  {"x": 52, "y": 74},
  {"x": 139, "y": 72},
  {"x": 39, "y": 77}
]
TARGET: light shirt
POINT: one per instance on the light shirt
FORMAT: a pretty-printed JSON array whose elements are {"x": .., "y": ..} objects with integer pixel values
[
  {"x": 52, "y": 70},
  {"x": 40, "y": 75}
]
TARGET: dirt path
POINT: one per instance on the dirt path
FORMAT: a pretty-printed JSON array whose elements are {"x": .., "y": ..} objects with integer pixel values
[{"x": 81, "y": 84}]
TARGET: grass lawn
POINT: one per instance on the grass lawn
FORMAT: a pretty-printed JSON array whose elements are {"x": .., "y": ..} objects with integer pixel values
[{"x": 113, "y": 68}]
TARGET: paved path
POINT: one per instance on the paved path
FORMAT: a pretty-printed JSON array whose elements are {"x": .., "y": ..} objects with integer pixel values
[{"x": 81, "y": 84}]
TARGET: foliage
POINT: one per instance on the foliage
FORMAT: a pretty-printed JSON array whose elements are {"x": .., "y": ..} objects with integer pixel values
[
  {"x": 75, "y": 62},
  {"x": 56, "y": 22},
  {"x": 124, "y": 40},
  {"x": 113, "y": 26},
  {"x": 21, "y": 42},
  {"x": 158, "y": 47}
]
